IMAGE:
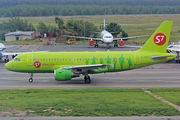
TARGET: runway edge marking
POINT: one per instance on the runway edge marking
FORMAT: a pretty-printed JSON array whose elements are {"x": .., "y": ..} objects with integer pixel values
[{"x": 162, "y": 99}]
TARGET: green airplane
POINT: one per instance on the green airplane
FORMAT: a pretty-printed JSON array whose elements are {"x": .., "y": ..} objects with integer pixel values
[{"x": 67, "y": 65}]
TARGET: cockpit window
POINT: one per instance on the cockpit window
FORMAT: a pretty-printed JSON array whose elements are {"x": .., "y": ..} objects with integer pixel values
[
  {"x": 17, "y": 59},
  {"x": 108, "y": 36}
]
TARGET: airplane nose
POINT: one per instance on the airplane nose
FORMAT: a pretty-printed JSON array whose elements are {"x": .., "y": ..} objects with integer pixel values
[{"x": 7, "y": 66}]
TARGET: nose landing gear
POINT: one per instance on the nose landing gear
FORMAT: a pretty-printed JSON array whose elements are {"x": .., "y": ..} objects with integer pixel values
[{"x": 31, "y": 78}]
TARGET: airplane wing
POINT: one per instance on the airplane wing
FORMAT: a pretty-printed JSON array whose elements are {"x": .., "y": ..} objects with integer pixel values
[
  {"x": 18, "y": 53},
  {"x": 130, "y": 37},
  {"x": 99, "y": 39},
  {"x": 84, "y": 68}
]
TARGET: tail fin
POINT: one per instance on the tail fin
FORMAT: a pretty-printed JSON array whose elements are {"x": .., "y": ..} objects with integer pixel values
[
  {"x": 104, "y": 20},
  {"x": 159, "y": 39},
  {"x": 104, "y": 23}
]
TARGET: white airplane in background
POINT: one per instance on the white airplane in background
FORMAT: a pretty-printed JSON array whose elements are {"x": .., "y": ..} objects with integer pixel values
[
  {"x": 14, "y": 54},
  {"x": 106, "y": 37},
  {"x": 175, "y": 48},
  {"x": 6, "y": 54}
]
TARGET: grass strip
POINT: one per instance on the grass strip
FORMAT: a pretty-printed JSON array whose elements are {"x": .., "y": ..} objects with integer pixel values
[
  {"x": 85, "y": 102},
  {"x": 170, "y": 94}
]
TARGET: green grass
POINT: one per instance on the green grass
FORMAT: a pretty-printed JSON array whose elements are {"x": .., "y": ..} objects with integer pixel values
[
  {"x": 170, "y": 94},
  {"x": 85, "y": 102}
]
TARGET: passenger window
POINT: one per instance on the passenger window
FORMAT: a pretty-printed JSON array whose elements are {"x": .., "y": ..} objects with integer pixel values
[
  {"x": 49, "y": 59},
  {"x": 69, "y": 59},
  {"x": 57, "y": 59},
  {"x": 54, "y": 59},
  {"x": 19, "y": 59},
  {"x": 66, "y": 59}
]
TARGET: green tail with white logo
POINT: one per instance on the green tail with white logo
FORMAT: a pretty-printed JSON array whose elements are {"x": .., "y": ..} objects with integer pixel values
[{"x": 159, "y": 40}]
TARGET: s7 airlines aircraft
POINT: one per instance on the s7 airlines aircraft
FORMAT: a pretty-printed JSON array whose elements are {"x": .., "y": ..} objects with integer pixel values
[
  {"x": 67, "y": 65},
  {"x": 106, "y": 37}
]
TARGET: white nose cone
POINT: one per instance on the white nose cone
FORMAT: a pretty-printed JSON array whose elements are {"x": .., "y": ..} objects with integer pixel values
[{"x": 2, "y": 45}]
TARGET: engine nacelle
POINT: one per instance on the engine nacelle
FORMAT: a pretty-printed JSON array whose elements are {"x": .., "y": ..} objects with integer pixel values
[
  {"x": 63, "y": 75},
  {"x": 121, "y": 43},
  {"x": 91, "y": 42}
]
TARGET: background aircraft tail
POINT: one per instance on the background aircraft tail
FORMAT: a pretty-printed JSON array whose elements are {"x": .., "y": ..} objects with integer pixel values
[{"x": 159, "y": 39}]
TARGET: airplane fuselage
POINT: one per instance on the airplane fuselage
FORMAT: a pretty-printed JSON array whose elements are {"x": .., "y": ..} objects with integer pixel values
[
  {"x": 106, "y": 37},
  {"x": 47, "y": 62}
]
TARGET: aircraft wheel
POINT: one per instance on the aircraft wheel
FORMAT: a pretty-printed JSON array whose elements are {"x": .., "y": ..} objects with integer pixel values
[
  {"x": 30, "y": 80},
  {"x": 115, "y": 45},
  {"x": 87, "y": 79},
  {"x": 97, "y": 45},
  {"x": 7, "y": 60}
]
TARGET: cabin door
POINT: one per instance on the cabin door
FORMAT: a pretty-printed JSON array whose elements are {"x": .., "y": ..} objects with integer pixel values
[
  {"x": 30, "y": 60},
  {"x": 137, "y": 59}
]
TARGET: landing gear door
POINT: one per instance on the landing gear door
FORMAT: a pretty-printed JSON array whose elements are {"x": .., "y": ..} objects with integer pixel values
[
  {"x": 137, "y": 59},
  {"x": 30, "y": 60}
]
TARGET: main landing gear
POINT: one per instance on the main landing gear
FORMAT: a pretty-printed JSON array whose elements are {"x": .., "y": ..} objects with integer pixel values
[
  {"x": 31, "y": 78},
  {"x": 87, "y": 79},
  {"x": 116, "y": 45},
  {"x": 96, "y": 45},
  {"x": 6, "y": 59}
]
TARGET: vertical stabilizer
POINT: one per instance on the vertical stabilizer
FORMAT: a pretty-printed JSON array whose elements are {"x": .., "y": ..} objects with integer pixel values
[
  {"x": 104, "y": 24},
  {"x": 159, "y": 39}
]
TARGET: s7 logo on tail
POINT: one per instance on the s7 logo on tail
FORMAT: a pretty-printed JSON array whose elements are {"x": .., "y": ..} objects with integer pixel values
[{"x": 159, "y": 39}]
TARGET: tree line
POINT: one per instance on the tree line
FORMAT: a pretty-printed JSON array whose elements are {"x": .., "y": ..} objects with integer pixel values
[
  {"x": 10, "y": 3},
  {"x": 70, "y": 10},
  {"x": 72, "y": 28}
]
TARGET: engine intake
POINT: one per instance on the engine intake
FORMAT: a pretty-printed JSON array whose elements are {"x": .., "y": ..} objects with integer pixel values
[
  {"x": 63, "y": 75},
  {"x": 91, "y": 42},
  {"x": 121, "y": 43}
]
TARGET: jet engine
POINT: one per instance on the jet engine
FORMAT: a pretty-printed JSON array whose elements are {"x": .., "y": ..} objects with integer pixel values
[
  {"x": 121, "y": 43},
  {"x": 91, "y": 42},
  {"x": 63, "y": 75}
]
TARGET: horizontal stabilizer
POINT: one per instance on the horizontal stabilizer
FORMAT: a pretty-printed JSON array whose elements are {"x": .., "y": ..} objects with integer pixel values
[{"x": 156, "y": 58}]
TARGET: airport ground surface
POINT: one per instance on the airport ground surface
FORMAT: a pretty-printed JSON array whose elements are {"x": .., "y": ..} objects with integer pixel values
[{"x": 165, "y": 75}]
